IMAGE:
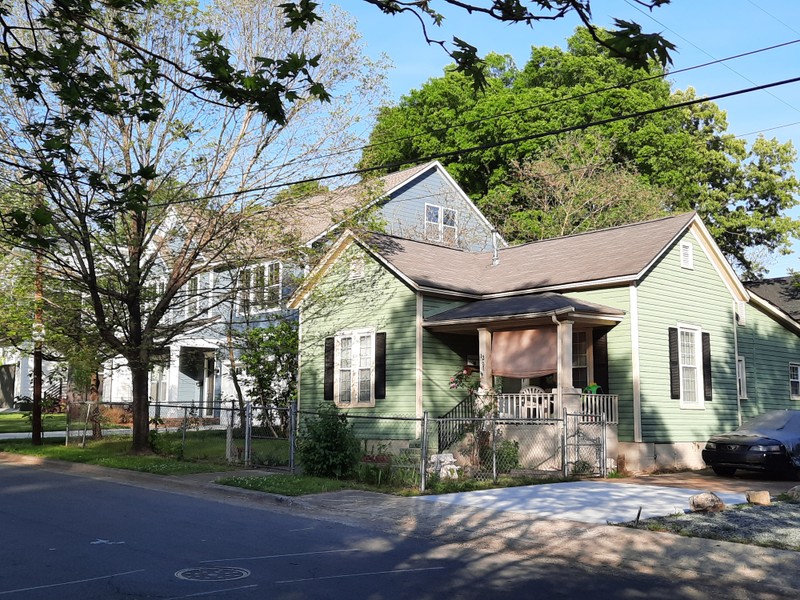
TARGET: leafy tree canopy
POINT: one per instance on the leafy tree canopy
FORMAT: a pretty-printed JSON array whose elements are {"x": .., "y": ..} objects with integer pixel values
[{"x": 741, "y": 192}]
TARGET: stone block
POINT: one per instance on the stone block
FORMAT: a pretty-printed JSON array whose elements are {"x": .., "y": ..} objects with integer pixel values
[
  {"x": 760, "y": 497},
  {"x": 794, "y": 494},
  {"x": 706, "y": 502}
]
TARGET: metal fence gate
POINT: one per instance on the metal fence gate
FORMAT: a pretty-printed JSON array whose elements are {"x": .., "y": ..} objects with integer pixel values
[{"x": 584, "y": 444}]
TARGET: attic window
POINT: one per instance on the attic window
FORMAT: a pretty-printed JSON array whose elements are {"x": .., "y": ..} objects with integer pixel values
[
  {"x": 687, "y": 261},
  {"x": 356, "y": 268},
  {"x": 441, "y": 224}
]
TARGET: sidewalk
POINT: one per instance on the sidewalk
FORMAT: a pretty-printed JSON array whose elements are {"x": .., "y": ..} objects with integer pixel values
[{"x": 563, "y": 541}]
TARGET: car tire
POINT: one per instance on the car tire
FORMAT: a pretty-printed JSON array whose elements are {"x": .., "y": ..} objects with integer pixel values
[{"x": 725, "y": 471}]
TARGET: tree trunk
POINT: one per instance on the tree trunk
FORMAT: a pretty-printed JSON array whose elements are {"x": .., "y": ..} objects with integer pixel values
[{"x": 141, "y": 408}]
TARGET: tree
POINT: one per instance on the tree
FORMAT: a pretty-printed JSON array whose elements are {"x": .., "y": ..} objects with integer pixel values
[
  {"x": 741, "y": 193},
  {"x": 143, "y": 182},
  {"x": 269, "y": 355},
  {"x": 574, "y": 187}
]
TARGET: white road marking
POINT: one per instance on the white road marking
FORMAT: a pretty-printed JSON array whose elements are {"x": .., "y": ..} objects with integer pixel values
[
  {"x": 279, "y": 555},
  {"x": 107, "y": 542},
  {"x": 361, "y": 574},
  {"x": 199, "y": 594},
  {"x": 65, "y": 583}
]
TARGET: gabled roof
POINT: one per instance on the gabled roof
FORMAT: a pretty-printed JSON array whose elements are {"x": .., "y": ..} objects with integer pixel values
[
  {"x": 617, "y": 254},
  {"x": 783, "y": 292},
  {"x": 314, "y": 216},
  {"x": 614, "y": 256}
]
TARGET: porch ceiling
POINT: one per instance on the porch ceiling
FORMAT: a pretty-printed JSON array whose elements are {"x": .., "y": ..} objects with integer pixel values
[{"x": 521, "y": 311}]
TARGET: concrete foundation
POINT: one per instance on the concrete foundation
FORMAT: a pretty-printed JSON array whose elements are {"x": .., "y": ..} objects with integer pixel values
[{"x": 648, "y": 457}]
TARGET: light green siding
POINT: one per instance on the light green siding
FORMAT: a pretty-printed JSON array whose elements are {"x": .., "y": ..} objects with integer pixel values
[
  {"x": 377, "y": 300},
  {"x": 668, "y": 296},
  {"x": 768, "y": 348},
  {"x": 620, "y": 363},
  {"x": 443, "y": 356}
]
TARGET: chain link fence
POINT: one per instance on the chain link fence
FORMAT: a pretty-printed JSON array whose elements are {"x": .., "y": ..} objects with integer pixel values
[{"x": 398, "y": 449}]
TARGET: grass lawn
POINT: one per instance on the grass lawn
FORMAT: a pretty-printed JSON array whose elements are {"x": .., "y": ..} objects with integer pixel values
[
  {"x": 19, "y": 422},
  {"x": 112, "y": 452}
]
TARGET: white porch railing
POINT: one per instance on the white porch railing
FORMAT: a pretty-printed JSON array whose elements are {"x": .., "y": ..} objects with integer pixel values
[
  {"x": 598, "y": 404},
  {"x": 529, "y": 406},
  {"x": 548, "y": 406}
]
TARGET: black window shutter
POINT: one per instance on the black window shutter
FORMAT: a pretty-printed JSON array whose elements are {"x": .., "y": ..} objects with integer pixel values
[
  {"x": 328, "y": 381},
  {"x": 380, "y": 365},
  {"x": 600, "y": 357},
  {"x": 674, "y": 366},
  {"x": 707, "y": 388}
]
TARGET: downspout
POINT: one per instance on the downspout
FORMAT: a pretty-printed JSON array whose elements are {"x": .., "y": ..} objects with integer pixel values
[{"x": 736, "y": 364}]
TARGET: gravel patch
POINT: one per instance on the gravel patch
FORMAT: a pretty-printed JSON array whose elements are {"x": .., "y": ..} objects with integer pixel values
[{"x": 775, "y": 526}]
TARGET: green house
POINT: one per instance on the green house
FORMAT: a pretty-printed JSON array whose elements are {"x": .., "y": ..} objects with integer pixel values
[{"x": 645, "y": 323}]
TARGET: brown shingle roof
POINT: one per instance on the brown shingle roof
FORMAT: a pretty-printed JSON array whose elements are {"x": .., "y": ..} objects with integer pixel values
[
  {"x": 783, "y": 292},
  {"x": 616, "y": 253}
]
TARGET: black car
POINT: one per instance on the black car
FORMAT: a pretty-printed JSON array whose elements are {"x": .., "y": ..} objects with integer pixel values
[{"x": 769, "y": 442}]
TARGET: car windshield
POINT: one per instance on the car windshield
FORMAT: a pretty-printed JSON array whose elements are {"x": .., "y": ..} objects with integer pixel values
[{"x": 774, "y": 420}]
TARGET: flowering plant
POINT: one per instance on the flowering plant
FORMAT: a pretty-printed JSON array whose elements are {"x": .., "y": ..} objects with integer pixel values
[{"x": 467, "y": 379}]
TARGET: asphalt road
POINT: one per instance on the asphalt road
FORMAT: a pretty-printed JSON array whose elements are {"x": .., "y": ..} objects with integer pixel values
[{"x": 71, "y": 537}]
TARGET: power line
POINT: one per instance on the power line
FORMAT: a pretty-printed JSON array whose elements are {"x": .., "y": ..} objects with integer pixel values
[{"x": 517, "y": 140}]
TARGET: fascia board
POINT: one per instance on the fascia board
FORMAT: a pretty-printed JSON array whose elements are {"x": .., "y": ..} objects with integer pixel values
[
  {"x": 718, "y": 260},
  {"x": 498, "y": 319},
  {"x": 323, "y": 266},
  {"x": 776, "y": 313}
]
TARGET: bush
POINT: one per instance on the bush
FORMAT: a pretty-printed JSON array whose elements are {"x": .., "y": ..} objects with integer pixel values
[{"x": 326, "y": 445}]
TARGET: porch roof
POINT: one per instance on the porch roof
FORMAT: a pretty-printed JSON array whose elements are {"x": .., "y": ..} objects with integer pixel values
[
  {"x": 508, "y": 311},
  {"x": 617, "y": 254}
]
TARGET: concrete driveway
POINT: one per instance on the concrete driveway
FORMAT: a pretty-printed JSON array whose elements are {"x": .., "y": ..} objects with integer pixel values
[{"x": 612, "y": 500}]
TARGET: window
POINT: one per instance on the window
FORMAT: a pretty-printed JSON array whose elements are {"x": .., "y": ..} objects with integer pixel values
[
  {"x": 741, "y": 377},
  {"x": 355, "y": 366},
  {"x": 580, "y": 359},
  {"x": 687, "y": 260},
  {"x": 259, "y": 288},
  {"x": 690, "y": 366},
  {"x": 794, "y": 380},
  {"x": 193, "y": 300},
  {"x": 441, "y": 224},
  {"x": 354, "y": 354}
]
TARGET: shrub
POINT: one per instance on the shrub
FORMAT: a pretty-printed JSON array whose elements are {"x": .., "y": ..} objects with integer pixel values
[{"x": 326, "y": 445}]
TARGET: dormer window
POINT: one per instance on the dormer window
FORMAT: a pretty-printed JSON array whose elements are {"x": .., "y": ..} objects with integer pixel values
[{"x": 441, "y": 224}]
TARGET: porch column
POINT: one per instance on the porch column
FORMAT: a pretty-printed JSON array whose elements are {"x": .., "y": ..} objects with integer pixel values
[
  {"x": 485, "y": 356},
  {"x": 173, "y": 374},
  {"x": 570, "y": 396}
]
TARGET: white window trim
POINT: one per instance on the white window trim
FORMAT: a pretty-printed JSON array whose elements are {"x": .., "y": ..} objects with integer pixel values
[
  {"x": 687, "y": 256},
  {"x": 741, "y": 377},
  {"x": 256, "y": 306},
  {"x": 698, "y": 353},
  {"x": 797, "y": 365},
  {"x": 355, "y": 335},
  {"x": 440, "y": 226}
]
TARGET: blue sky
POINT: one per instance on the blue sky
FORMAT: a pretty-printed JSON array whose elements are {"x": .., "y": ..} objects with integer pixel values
[{"x": 703, "y": 30}]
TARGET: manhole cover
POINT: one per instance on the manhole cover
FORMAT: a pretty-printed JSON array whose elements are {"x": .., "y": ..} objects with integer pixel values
[{"x": 213, "y": 573}]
